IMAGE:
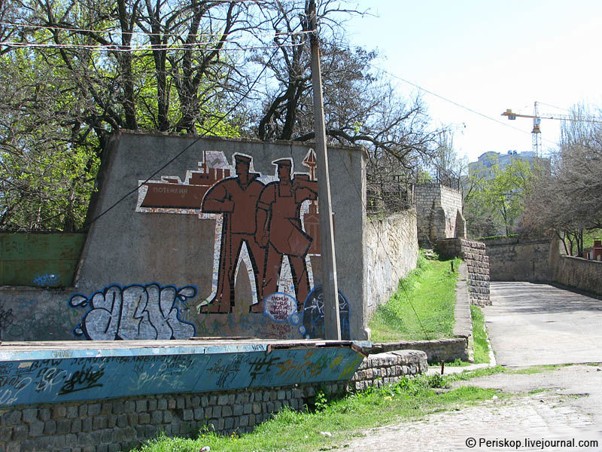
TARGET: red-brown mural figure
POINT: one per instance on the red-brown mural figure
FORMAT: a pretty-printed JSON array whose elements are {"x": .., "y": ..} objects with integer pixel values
[
  {"x": 280, "y": 231},
  {"x": 236, "y": 198}
]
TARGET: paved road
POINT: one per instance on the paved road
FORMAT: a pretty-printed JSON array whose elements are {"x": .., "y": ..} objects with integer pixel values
[
  {"x": 531, "y": 324},
  {"x": 528, "y": 325}
]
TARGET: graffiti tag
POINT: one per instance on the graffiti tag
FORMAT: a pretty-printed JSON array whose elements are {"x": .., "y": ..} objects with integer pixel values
[
  {"x": 135, "y": 312},
  {"x": 82, "y": 379}
]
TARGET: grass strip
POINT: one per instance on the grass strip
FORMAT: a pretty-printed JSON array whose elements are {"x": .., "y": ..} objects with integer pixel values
[
  {"x": 423, "y": 306},
  {"x": 479, "y": 335}
]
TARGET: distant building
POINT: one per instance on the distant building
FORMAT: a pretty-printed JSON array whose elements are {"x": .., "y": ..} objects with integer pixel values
[{"x": 483, "y": 167}]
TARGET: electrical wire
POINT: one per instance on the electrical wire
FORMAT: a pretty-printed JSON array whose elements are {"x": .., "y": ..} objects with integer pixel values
[
  {"x": 86, "y": 31},
  {"x": 459, "y": 105},
  {"x": 186, "y": 148},
  {"x": 145, "y": 48}
]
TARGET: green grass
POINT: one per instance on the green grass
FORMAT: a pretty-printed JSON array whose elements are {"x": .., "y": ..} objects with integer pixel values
[
  {"x": 342, "y": 419},
  {"x": 479, "y": 334},
  {"x": 423, "y": 306}
]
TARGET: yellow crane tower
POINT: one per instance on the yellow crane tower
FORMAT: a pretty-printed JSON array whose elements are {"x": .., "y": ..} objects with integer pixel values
[{"x": 536, "y": 132}]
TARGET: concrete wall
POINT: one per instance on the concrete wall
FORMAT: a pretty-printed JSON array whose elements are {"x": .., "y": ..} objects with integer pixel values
[
  {"x": 30, "y": 314},
  {"x": 391, "y": 252},
  {"x": 437, "y": 208},
  {"x": 123, "y": 423},
  {"x": 150, "y": 269},
  {"x": 516, "y": 259}
]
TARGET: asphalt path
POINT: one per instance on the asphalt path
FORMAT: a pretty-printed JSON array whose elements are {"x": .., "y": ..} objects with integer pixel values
[
  {"x": 533, "y": 324},
  {"x": 528, "y": 325}
]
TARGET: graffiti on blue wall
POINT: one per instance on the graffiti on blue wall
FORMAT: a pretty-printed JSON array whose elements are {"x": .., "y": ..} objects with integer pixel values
[
  {"x": 35, "y": 377},
  {"x": 146, "y": 311},
  {"x": 6, "y": 319}
]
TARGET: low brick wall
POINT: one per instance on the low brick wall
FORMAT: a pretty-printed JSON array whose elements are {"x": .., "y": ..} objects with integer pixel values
[
  {"x": 122, "y": 424},
  {"x": 477, "y": 263}
]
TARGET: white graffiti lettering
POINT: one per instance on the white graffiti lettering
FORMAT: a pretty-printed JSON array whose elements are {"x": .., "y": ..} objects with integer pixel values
[
  {"x": 135, "y": 312},
  {"x": 9, "y": 396}
]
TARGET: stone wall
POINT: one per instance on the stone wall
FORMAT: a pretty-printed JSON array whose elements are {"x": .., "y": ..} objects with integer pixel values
[
  {"x": 391, "y": 252},
  {"x": 578, "y": 273},
  {"x": 438, "y": 350},
  {"x": 387, "y": 368},
  {"x": 477, "y": 263},
  {"x": 437, "y": 208},
  {"x": 121, "y": 424},
  {"x": 518, "y": 259}
]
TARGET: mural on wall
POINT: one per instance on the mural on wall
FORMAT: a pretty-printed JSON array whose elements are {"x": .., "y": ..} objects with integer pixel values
[
  {"x": 267, "y": 223},
  {"x": 236, "y": 199},
  {"x": 280, "y": 230},
  {"x": 135, "y": 312}
]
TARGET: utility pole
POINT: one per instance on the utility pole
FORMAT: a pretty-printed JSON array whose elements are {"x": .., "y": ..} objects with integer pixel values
[{"x": 330, "y": 291}]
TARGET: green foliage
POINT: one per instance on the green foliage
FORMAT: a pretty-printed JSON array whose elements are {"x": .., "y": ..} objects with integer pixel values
[
  {"x": 479, "y": 334},
  {"x": 423, "y": 306},
  {"x": 590, "y": 236},
  {"x": 496, "y": 200},
  {"x": 321, "y": 401}
]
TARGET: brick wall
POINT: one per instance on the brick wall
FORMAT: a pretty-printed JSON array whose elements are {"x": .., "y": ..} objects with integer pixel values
[
  {"x": 121, "y": 424},
  {"x": 475, "y": 256},
  {"x": 578, "y": 273},
  {"x": 438, "y": 350}
]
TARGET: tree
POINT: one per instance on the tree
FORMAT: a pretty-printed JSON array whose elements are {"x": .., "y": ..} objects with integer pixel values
[
  {"x": 361, "y": 105},
  {"x": 84, "y": 69},
  {"x": 497, "y": 201},
  {"x": 567, "y": 201}
]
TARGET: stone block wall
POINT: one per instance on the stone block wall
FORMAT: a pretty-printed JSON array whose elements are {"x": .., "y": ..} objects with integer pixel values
[
  {"x": 124, "y": 423},
  {"x": 437, "y": 209},
  {"x": 517, "y": 259},
  {"x": 578, "y": 273},
  {"x": 475, "y": 256},
  {"x": 391, "y": 252},
  {"x": 438, "y": 350},
  {"x": 387, "y": 368}
]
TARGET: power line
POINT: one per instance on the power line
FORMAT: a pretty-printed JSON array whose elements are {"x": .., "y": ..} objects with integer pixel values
[
  {"x": 114, "y": 30},
  {"x": 140, "y": 48},
  {"x": 186, "y": 148},
  {"x": 459, "y": 105}
]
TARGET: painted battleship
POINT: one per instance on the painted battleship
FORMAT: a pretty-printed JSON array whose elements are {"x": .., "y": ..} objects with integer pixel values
[{"x": 171, "y": 192}]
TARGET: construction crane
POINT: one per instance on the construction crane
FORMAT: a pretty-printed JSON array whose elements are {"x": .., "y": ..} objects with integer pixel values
[{"x": 536, "y": 132}]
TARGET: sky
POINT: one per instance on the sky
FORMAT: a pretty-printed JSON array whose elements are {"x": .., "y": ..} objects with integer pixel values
[{"x": 470, "y": 60}]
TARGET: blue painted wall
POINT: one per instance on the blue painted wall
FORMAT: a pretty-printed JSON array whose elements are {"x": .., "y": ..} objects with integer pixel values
[{"x": 54, "y": 376}]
